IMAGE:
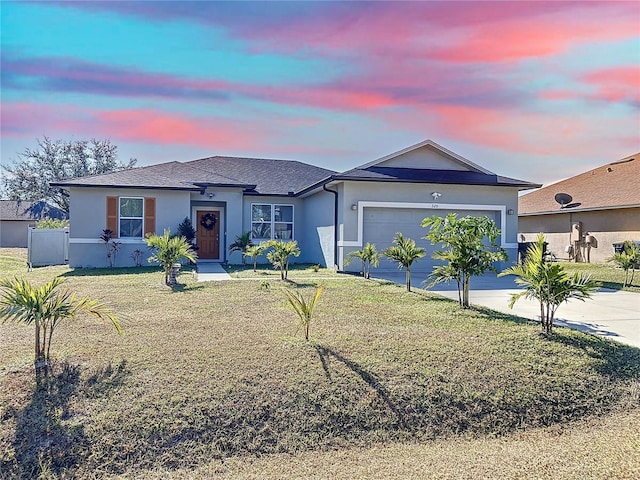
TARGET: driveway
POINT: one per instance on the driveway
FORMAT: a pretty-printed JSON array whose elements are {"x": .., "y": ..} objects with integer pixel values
[{"x": 612, "y": 314}]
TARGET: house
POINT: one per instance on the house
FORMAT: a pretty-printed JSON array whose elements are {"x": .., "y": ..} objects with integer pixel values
[
  {"x": 17, "y": 216},
  {"x": 592, "y": 211},
  {"x": 328, "y": 213}
]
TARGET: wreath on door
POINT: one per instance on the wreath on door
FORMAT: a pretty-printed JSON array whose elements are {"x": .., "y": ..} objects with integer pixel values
[{"x": 208, "y": 221}]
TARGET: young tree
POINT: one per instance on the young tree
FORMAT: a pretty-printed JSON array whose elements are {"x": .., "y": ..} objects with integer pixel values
[
  {"x": 54, "y": 161},
  {"x": 369, "y": 257},
  {"x": 471, "y": 249},
  {"x": 45, "y": 307},
  {"x": 628, "y": 259},
  {"x": 548, "y": 283},
  {"x": 404, "y": 253},
  {"x": 168, "y": 250},
  {"x": 240, "y": 244},
  {"x": 254, "y": 251},
  {"x": 303, "y": 307},
  {"x": 280, "y": 254}
]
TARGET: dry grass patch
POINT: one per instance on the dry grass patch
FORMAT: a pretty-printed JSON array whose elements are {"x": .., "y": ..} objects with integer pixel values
[
  {"x": 608, "y": 275},
  {"x": 213, "y": 372}
]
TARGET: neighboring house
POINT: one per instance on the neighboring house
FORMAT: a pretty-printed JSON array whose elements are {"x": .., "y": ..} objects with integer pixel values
[
  {"x": 603, "y": 209},
  {"x": 328, "y": 213},
  {"x": 17, "y": 216}
]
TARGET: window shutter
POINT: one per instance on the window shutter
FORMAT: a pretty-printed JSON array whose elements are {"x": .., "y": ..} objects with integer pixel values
[
  {"x": 149, "y": 215},
  {"x": 112, "y": 215}
]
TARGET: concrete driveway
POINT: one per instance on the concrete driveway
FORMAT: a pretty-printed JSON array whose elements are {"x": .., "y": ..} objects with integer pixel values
[{"x": 612, "y": 314}]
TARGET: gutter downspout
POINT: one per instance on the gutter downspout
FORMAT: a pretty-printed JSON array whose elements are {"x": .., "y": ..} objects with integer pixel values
[{"x": 335, "y": 225}]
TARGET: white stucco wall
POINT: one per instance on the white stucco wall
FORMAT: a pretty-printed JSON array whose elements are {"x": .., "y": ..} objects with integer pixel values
[{"x": 14, "y": 233}]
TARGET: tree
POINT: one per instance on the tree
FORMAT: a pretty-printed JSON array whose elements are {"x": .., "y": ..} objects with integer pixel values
[
  {"x": 369, "y": 257},
  {"x": 45, "y": 307},
  {"x": 254, "y": 251},
  {"x": 168, "y": 250},
  {"x": 404, "y": 253},
  {"x": 280, "y": 254},
  {"x": 54, "y": 161},
  {"x": 240, "y": 244},
  {"x": 628, "y": 259},
  {"x": 549, "y": 283},
  {"x": 470, "y": 249},
  {"x": 303, "y": 307}
]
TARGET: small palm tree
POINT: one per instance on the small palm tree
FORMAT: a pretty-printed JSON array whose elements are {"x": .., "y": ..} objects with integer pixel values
[
  {"x": 254, "y": 251},
  {"x": 304, "y": 307},
  {"x": 45, "y": 307},
  {"x": 168, "y": 250},
  {"x": 240, "y": 244},
  {"x": 628, "y": 260},
  {"x": 404, "y": 253},
  {"x": 369, "y": 257},
  {"x": 280, "y": 254},
  {"x": 548, "y": 283}
]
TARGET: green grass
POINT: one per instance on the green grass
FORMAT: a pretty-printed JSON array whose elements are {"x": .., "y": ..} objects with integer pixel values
[
  {"x": 267, "y": 272},
  {"x": 608, "y": 275},
  {"x": 209, "y": 381}
]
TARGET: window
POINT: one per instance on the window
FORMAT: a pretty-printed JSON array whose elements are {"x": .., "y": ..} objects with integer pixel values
[
  {"x": 131, "y": 217},
  {"x": 271, "y": 221}
]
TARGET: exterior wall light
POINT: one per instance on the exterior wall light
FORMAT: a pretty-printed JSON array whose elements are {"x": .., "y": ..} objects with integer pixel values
[
  {"x": 354, "y": 207},
  {"x": 510, "y": 211},
  {"x": 436, "y": 195}
]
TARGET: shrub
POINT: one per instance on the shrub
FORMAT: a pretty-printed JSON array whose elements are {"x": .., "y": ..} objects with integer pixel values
[
  {"x": 280, "y": 254},
  {"x": 52, "y": 223},
  {"x": 169, "y": 250}
]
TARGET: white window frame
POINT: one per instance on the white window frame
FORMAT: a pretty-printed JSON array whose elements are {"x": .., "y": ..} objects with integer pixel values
[
  {"x": 273, "y": 221},
  {"x": 120, "y": 217}
]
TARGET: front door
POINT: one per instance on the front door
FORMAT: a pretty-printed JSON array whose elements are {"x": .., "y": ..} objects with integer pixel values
[{"x": 208, "y": 234}]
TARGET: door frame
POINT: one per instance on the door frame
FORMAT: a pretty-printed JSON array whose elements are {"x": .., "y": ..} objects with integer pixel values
[{"x": 222, "y": 243}]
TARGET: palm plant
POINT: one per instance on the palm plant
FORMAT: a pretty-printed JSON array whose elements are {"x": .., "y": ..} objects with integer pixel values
[
  {"x": 240, "y": 244},
  {"x": 254, "y": 251},
  {"x": 304, "y": 307},
  {"x": 548, "y": 283},
  {"x": 628, "y": 259},
  {"x": 45, "y": 307},
  {"x": 369, "y": 257},
  {"x": 280, "y": 254},
  {"x": 404, "y": 253},
  {"x": 168, "y": 250}
]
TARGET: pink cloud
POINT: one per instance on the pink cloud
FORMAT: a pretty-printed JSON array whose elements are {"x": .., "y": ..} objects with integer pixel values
[
  {"x": 621, "y": 84},
  {"x": 154, "y": 126}
]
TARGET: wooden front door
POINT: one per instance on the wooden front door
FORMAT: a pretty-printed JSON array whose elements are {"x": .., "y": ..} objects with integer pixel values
[{"x": 208, "y": 234}]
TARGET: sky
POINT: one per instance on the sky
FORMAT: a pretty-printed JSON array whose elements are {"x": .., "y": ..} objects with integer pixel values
[{"x": 537, "y": 91}]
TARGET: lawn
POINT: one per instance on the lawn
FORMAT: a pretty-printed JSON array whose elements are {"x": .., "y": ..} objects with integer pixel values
[
  {"x": 608, "y": 275},
  {"x": 211, "y": 381}
]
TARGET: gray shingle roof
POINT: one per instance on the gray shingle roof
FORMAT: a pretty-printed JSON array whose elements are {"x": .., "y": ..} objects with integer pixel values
[
  {"x": 413, "y": 175},
  {"x": 271, "y": 177},
  {"x": 171, "y": 175},
  {"x": 28, "y": 210}
]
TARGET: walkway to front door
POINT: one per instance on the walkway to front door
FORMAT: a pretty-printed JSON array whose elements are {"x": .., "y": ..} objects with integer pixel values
[{"x": 210, "y": 271}]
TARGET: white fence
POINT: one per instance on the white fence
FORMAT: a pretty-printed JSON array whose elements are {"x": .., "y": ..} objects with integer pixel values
[{"x": 48, "y": 246}]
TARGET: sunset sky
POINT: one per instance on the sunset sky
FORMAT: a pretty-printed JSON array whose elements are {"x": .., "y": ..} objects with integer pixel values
[{"x": 532, "y": 90}]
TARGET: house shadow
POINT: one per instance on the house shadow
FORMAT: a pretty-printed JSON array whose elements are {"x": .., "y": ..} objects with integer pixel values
[
  {"x": 47, "y": 442},
  {"x": 101, "y": 272}
]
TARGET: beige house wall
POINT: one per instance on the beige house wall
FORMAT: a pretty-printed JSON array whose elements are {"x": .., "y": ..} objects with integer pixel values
[{"x": 606, "y": 226}]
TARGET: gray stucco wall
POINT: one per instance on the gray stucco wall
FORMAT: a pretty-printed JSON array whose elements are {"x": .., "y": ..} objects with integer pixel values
[
  {"x": 458, "y": 195},
  {"x": 318, "y": 229},
  {"x": 88, "y": 214},
  {"x": 14, "y": 233}
]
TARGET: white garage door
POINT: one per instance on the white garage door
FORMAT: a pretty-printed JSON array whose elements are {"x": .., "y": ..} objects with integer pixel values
[{"x": 381, "y": 224}]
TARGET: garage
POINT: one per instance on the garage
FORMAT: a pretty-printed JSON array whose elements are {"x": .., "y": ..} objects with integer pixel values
[{"x": 380, "y": 225}]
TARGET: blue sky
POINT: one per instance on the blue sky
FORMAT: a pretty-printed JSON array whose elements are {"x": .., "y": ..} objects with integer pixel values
[{"x": 533, "y": 90}]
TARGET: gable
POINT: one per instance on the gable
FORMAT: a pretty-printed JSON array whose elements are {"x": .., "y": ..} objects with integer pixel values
[{"x": 425, "y": 157}]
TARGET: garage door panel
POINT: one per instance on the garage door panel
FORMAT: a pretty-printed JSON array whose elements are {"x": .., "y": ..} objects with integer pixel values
[{"x": 381, "y": 224}]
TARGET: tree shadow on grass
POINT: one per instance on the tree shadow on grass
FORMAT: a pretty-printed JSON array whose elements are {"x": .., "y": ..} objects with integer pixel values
[
  {"x": 616, "y": 360},
  {"x": 368, "y": 377},
  {"x": 505, "y": 317},
  {"x": 49, "y": 441}
]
